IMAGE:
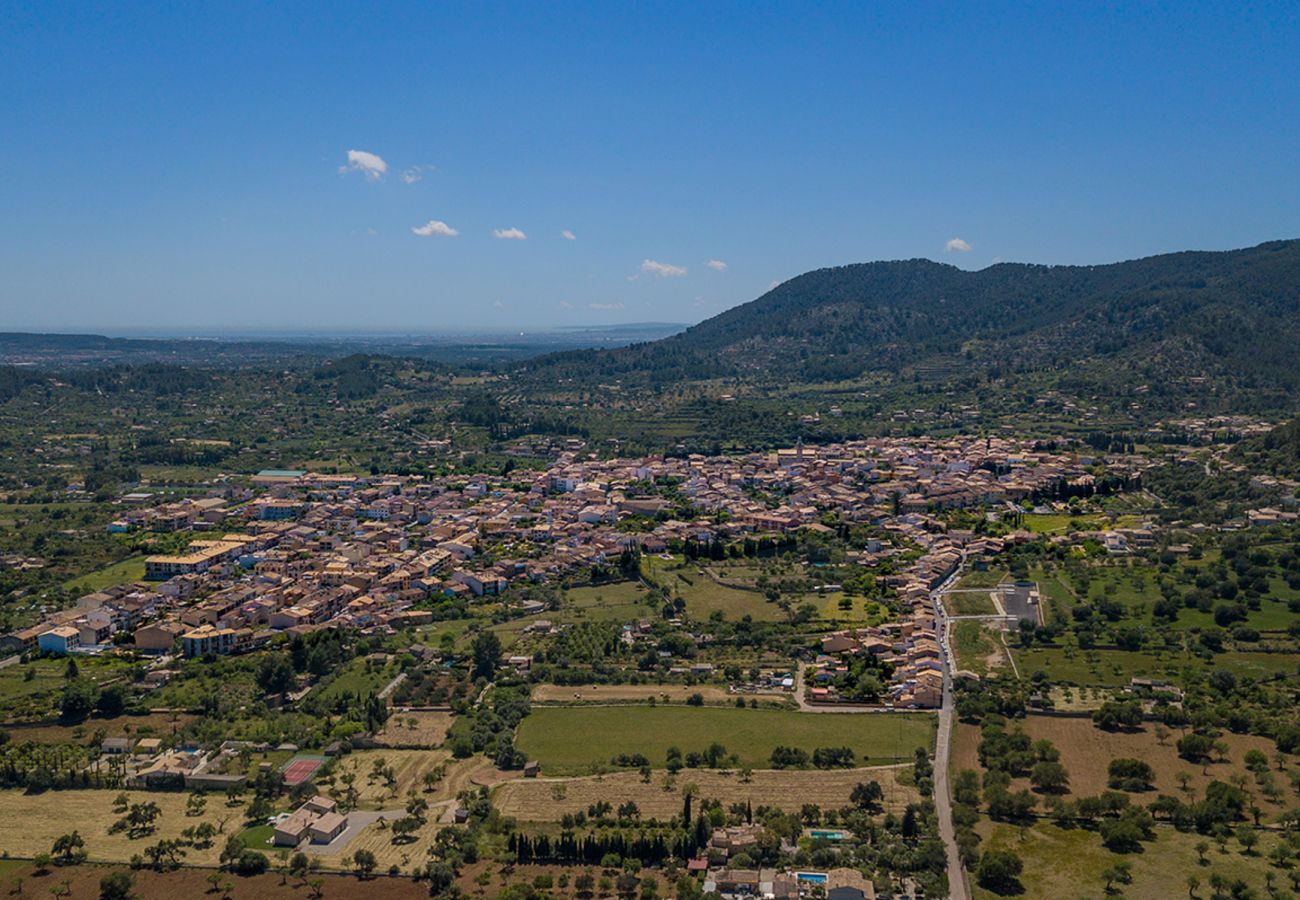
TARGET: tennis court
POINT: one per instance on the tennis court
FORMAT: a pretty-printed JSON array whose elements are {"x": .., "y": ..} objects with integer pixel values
[{"x": 301, "y": 768}]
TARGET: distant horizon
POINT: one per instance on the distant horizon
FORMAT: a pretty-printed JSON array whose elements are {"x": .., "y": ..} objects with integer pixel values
[
  {"x": 122, "y": 332},
  {"x": 472, "y": 168},
  {"x": 295, "y": 330}
]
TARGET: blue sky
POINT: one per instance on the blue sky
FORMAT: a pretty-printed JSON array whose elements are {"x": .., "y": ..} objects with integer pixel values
[{"x": 187, "y": 166}]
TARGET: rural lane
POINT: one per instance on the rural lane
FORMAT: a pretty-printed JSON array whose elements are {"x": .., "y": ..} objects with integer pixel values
[{"x": 942, "y": 749}]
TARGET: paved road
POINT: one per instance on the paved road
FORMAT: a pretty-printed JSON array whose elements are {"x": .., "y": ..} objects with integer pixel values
[
  {"x": 392, "y": 686},
  {"x": 943, "y": 746}
]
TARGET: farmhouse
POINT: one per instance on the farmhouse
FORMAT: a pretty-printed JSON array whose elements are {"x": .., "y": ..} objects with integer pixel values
[{"x": 317, "y": 819}]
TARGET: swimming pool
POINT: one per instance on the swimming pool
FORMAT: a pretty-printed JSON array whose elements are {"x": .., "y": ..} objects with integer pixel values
[
  {"x": 827, "y": 834},
  {"x": 811, "y": 877}
]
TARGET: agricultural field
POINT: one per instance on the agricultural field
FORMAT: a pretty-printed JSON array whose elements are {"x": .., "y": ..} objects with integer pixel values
[
  {"x": 83, "y": 881},
  {"x": 548, "y": 799},
  {"x": 641, "y": 693},
  {"x": 129, "y": 569},
  {"x": 1070, "y": 862},
  {"x": 1116, "y": 667},
  {"x": 978, "y": 647},
  {"x": 151, "y": 725},
  {"x": 1087, "y": 750},
  {"x": 416, "y": 728},
  {"x": 1132, "y": 584},
  {"x": 31, "y": 691},
  {"x": 374, "y": 791},
  {"x": 356, "y": 679},
  {"x": 969, "y": 603},
  {"x": 982, "y": 578},
  {"x": 463, "y": 775},
  {"x": 47, "y": 815},
  {"x": 703, "y": 596},
  {"x": 231, "y": 683},
  {"x": 861, "y": 611},
  {"x": 595, "y": 600},
  {"x": 571, "y": 740},
  {"x": 1062, "y": 523}
]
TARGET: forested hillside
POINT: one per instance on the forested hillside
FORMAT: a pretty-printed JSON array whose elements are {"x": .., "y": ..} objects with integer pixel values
[{"x": 1159, "y": 322}]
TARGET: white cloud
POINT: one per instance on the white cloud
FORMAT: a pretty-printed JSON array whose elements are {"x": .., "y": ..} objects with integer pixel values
[
  {"x": 509, "y": 234},
  {"x": 717, "y": 265},
  {"x": 568, "y": 235},
  {"x": 957, "y": 245},
  {"x": 663, "y": 270},
  {"x": 370, "y": 164},
  {"x": 605, "y": 305},
  {"x": 434, "y": 228},
  {"x": 565, "y": 304},
  {"x": 415, "y": 173},
  {"x": 497, "y": 304}
]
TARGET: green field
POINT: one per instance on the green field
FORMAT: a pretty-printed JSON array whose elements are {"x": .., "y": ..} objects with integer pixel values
[
  {"x": 129, "y": 569},
  {"x": 704, "y": 596},
  {"x": 623, "y": 601},
  {"x": 618, "y": 602},
  {"x": 32, "y": 690},
  {"x": 966, "y": 603},
  {"x": 986, "y": 578},
  {"x": 356, "y": 679},
  {"x": 1059, "y": 598},
  {"x": 571, "y": 740},
  {"x": 861, "y": 611},
  {"x": 974, "y": 644},
  {"x": 1054, "y": 523},
  {"x": 1069, "y": 863},
  {"x": 1101, "y": 667},
  {"x": 1116, "y": 667}
]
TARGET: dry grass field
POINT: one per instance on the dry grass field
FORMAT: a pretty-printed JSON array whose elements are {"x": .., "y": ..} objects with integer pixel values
[
  {"x": 152, "y": 725},
  {"x": 32, "y": 822},
  {"x": 408, "y": 767},
  {"x": 379, "y": 841},
  {"x": 547, "y": 799},
  {"x": 965, "y": 743},
  {"x": 416, "y": 729},
  {"x": 1086, "y": 751},
  {"x": 631, "y": 693}
]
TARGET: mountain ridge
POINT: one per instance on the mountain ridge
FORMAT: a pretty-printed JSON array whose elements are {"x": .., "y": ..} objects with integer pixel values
[{"x": 1199, "y": 314}]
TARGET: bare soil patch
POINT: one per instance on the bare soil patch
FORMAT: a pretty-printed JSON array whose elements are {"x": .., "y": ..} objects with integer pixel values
[
  {"x": 416, "y": 729},
  {"x": 629, "y": 693},
  {"x": 150, "y": 885}
]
